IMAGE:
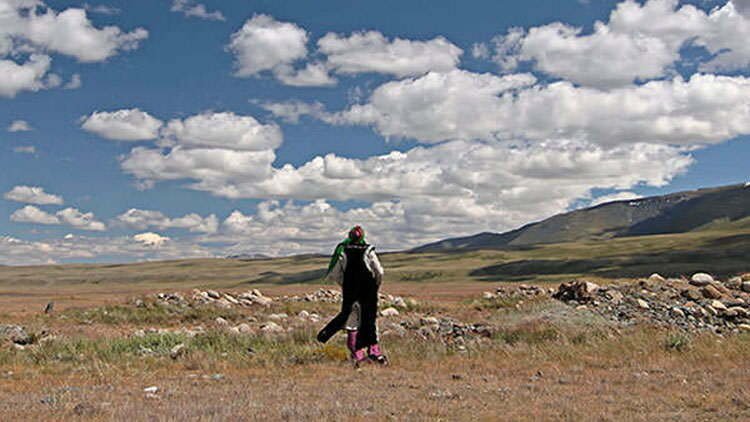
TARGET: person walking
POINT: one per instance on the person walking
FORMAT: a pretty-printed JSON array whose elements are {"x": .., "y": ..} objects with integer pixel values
[{"x": 356, "y": 268}]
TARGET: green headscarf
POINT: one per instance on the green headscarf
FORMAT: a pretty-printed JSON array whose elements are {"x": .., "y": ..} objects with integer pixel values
[{"x": 339, "y": 251}]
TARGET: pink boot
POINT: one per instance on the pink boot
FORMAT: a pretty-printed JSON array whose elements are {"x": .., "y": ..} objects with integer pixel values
[
  {"x": 351, "y": 341},
  {"x": 377, "y": 355},
  {"x": 360, "y": 357}
]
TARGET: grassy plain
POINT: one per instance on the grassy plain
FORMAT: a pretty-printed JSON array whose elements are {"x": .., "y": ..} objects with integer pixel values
[{"x": 543, "y": 361}]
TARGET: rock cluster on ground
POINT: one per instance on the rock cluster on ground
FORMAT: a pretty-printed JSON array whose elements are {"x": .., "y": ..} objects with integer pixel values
[
  {"x": 334, "y": 296},
  {"x": 445, "y": 329},
  {"x": 698, "y": 303},
  {"x": 522, "y": 291},
  {"x": 212, "y": 297}
]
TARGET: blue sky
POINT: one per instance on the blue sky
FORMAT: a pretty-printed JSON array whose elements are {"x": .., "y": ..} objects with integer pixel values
[{"x": 422, "y": 120}]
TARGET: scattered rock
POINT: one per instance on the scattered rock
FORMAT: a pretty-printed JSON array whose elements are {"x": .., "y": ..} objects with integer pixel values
[
  {"x": 85, "y": 409},
  {"x": 711, "y": 292},
  {"x": 278, "y": 317},
  {"x": 718, "y": 305},
  {"x": 430, "y": 320},
  {"x": 15, "y": 334},
  {"x": 178, "y": 351},
  {"x": 389, "y": 312},
  {"x": 735, "y": 283},
  {"x": 581, "y": 291},
  {"x": 271, "y": 327},
  {"x": 701, "y": 279},
  {"x": 151, "y": 390},
  {"x": 656, "y": 278},
  {"x": 692, "y": 294},
  {"x": 714, "y": 306},
  {"x": 221, "y": 322}
]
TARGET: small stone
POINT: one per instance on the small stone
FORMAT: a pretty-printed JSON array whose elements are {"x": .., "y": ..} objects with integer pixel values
[
  {"x": 428, "y": 321},
  {"x": 615, "y": 296},
  {"x": 244, "y": 328},
  {"x": 271, "y": 327},
  {"x": 278, "y": 317},
  {"x": 734, "y": 283},
  {"x": 221, "y": 321},
  {"x": 746, "y": 286},
  {"x": 399, "y": 302},
  {"x": 656, "y": 278},
  {"x": 678, "y": 312},
  {"x": 84, "y": 409},
  {"x": 718, "y": 305},
  {"x": 710, "y": 292},
  {"x": 15, "y": 333},
  {"x": 581, "y": 308},
  {"x": 303, "y": 314},
  {"x": 151, "y": 390},
  {"x": 739, "y": 311},
  {"x": 213, "y": 294},
  {"x": 389, "y": 312},
  {"x": 729, "y": 313},
  {"x": 177, "y": 351},
  {"x": 642, "y": 304},
  {"x": 744, "y": 327},
  {"x": 488, "y": 296},
  {"x": 223, "y": 303},
  {"x": 692, "y": 294},
  {"x": 701, "y": 279}
]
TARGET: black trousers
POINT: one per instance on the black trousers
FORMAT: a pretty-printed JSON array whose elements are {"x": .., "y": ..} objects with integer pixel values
[{"x": 364, "y": 291}]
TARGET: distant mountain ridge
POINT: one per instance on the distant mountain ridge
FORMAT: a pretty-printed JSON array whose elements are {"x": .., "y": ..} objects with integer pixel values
[{"x": 673, "y": 213}]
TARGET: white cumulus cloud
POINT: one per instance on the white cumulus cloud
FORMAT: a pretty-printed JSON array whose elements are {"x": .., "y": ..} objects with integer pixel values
[
  {"x": 19, "y": 126},
  {"x": 69, "y": 216},
  {"x": 143, "y": 219},
  {"x": 371, "y": 51},
  {"x": 122, "y": 125},
  {"x": 30, "y": 32},
  {"x": 80, "y": 220},
  {"x": 263, "y": 44},
  {"x": 32, "y": 195},
  {"x": 150, "y": 239},
  {"x": 463, "y": 105},
  {"x": 190, "y": 8},
  {"x": 640, "y": 41},
  {"x": 28, "y": 76},
  {"x": 223, "y": 130},
  {"x": 32, "y": 214}
]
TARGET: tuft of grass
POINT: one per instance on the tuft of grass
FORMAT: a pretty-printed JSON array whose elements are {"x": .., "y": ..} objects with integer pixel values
[
  {"x": 677, "y": 341},
  {"x": 531, "y": 333}
]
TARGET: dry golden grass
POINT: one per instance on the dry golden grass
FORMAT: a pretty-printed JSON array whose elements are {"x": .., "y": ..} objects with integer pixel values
[{"x": 545, "y": 362}]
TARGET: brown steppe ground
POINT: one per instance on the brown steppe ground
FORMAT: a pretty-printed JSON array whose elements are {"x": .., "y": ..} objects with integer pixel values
[{"x": 545, "y": 361}]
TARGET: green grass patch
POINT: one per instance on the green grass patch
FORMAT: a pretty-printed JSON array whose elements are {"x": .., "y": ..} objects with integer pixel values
[{"x": 150, "y": 313}]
